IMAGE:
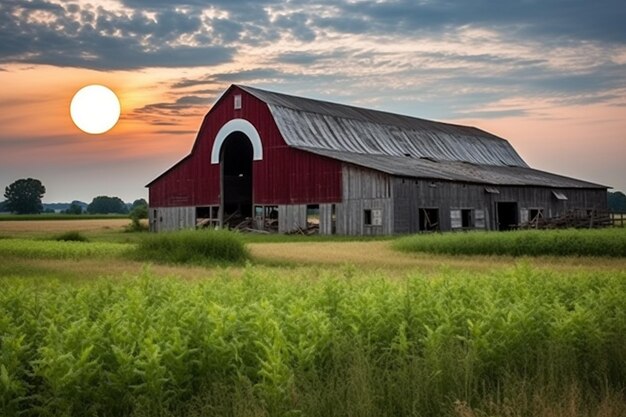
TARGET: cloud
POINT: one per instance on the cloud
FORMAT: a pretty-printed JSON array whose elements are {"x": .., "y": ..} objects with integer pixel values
[
  {"x": 191, "y": 33},
  {"x": 179, "y": 105},
  {"x": 40, "y": 32},
  {"x": 175, "y": 132},
  {"x": 310, "y": 58},
  {"x": 577, "y": 19},
  {"x": 231, "y": 77}
]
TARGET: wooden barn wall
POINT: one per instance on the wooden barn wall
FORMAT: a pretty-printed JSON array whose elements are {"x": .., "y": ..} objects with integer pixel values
[
  {"x": 284, "y": 176},
  {"x": 326, "y": 218},
  {"x": 364, "y": 189},
  {"x": 409, "y": 195},
  {"x": 165, "y": 219},
  {"x": 291, "y": 217}
]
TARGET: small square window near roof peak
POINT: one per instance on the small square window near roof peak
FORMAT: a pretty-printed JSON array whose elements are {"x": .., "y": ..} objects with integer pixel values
[{"x": 237, "y": 101}]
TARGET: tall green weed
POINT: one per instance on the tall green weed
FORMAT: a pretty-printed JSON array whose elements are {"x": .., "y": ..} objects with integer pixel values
[
  {"x": 258, "y": 344},
  {"x": 572, "y": 242},
  {"x": 192, "y": 246}
]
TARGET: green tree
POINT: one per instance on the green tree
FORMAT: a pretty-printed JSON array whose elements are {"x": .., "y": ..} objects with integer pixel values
[
  {"x": 24, "y": 196},
  {"x": 617, "y": 202},
  {"x": 106, "y": 205},
  {"x": 140, "y": 202},
  {"x": 74, "y": 209}
]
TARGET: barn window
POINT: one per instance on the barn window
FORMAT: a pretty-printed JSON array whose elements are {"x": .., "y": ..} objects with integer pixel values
[
  {"x": 559, "y": 195},
  {"x": 373, "y": 217},
  {"x": 237, "y": 101},
  {"x": 535, "y": 215},
  {"x": 313, "y": 217},
  {"x": 479, "y": 219},
  {"x": 428, "y": 219},
  {"x": 461, "y": 219},
  {"x": 466, "y": 218},
  {"x": 367, "y": 216}
]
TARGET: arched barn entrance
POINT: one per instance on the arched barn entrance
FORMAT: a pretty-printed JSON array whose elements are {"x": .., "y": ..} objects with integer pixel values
[{"x": 236, "y": 178}]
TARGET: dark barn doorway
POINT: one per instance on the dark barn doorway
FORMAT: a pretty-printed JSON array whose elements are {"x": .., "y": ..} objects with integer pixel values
[
  {"x": 236, "y": 164},
  {"x": 507, "y": 215}
]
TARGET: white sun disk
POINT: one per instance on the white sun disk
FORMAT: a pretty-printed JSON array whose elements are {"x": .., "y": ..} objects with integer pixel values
[{"x": 95, "y": 109}]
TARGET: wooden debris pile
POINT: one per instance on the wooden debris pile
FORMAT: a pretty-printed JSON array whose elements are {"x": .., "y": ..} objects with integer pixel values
[
  {"x": 578, "y": 219},
  {"x": 312, "y": 228}
]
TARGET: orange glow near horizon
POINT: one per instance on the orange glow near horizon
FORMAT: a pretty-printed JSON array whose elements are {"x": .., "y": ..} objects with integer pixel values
[{"x": 575, "y": 140}]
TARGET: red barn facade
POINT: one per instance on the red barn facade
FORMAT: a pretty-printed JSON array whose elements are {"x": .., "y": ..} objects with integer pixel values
[{"x": 264, "y": 155}]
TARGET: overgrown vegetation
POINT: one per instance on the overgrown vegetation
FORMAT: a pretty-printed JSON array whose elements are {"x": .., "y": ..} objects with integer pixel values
[
  {"x": 596, "y": 242},
  {"x": 25, "y": 248},
  {"x": 454, "y": 344},
  {"x": 203, "y": 247},
  {"x": 71, "y": 236}
]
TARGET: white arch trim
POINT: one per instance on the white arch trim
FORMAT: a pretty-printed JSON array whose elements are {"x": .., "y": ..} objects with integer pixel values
[{"x": 237, "y": 125}]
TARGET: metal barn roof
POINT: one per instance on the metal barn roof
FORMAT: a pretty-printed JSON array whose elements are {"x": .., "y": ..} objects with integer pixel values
[
  {"x": 309, "y": 123},
  {"x": 403, "y": 145}
]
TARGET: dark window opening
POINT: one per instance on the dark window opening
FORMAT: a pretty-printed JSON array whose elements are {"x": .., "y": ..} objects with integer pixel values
[
  {"x": 367, "y": 217},
  {"x": 271, "y": 212},
  {"x": 266, "y": 218},
  {"x": 466, "y": 218},
  {"x": 428, "y": 219},
  {"x": 236, "y": 159},
  {"x": 313, "y": 218},
  {"x": 535, "y": 216},
  {"x": 507, "y": 215},
  {"x": 333, "y": 219},
  {"x": 203, "y": 212},
  {"x": 207, "y": 217}
]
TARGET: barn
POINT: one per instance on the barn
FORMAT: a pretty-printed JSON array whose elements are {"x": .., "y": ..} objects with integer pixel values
[{"x": 281, "y": 160}]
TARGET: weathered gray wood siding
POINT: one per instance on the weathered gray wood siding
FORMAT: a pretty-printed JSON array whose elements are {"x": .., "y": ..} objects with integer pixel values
[
  {"x": 412, "y": 194},
  {"x": 291, "y": 217},
  {"x": 326, "y": 218},
  {"x": 165, "y": 219},
  {"x": 364, "y": 189}
]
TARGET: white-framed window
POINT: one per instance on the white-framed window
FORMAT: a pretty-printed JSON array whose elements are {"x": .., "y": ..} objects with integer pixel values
[
  {"x": 462, "y": 218},
  {"x": 373, "y": 217},
  {"x": 237, "y": 101}
]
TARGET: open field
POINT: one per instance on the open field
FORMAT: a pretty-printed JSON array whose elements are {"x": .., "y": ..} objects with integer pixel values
[
  {"x": 24, "y": 228},
  {"x": 310, "y": 328}
]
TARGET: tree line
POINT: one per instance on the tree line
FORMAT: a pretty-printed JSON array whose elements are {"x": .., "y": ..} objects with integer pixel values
[{"x": 24, "y": 197}]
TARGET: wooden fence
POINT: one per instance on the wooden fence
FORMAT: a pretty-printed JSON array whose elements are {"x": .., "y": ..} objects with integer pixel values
[{"x": 618, "y": 219}]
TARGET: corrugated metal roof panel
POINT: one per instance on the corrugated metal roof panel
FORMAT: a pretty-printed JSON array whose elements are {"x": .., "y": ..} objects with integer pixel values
[
  {"x": 456, "y": 171},
  {"x": 322, "y": 125}
]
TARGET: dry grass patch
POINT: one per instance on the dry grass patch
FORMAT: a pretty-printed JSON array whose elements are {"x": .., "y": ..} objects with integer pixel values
[
  {"x": 25, "y": 228},
  {"x": 381, "y": 255}
]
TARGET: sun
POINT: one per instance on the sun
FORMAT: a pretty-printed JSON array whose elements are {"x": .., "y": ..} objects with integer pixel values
[{"x": 95, "y": 109}]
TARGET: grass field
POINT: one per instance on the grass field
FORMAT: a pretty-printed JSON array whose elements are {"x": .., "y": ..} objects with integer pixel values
[{"x": 319, "y": 327}]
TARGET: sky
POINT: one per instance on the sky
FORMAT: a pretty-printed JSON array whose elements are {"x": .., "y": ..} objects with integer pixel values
[{"x": 547, "y": 75}]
